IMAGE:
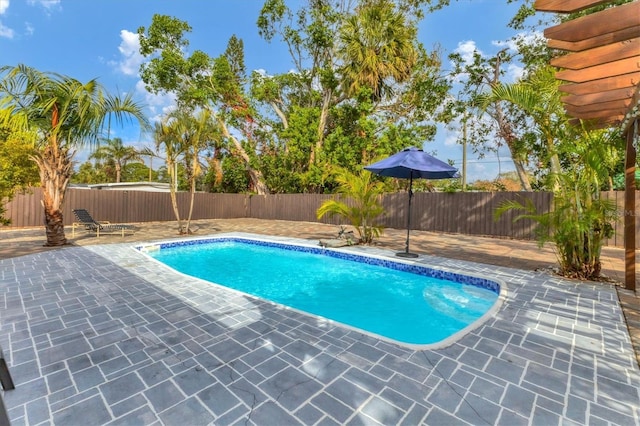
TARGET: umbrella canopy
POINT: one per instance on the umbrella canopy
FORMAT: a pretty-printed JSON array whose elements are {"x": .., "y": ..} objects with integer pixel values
[{"x": 412, "y": 163}]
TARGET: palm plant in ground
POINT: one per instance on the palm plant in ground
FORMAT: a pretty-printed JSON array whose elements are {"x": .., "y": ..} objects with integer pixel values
[
  {"x": 65, "y": 114},
  {"x": 539, "y": 98},
  {"x": 358, "y": 202},
  {"x": 167, "y": 137},
  {"x": 580, "y": 219},
  {"x": 194, "y": 132},
  {"x": 115, "y": 151}
]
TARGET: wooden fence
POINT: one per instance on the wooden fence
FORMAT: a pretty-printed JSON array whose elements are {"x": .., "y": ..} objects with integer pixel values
[{"x": 461, "y": 212}]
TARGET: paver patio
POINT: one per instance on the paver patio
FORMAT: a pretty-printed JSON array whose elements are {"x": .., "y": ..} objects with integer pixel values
[{"x": 100, "y": 334}]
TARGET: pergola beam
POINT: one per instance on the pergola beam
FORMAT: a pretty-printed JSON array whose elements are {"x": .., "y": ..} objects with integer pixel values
[
  {"x": 622, "y": 96},
  {"x": 601, "y": 40},
  {"x": 598, "y": 55},
  {"x": 616, "y": 68},
  {"x": 597, "y": 24},
  {"x": 630, "y": 80},
  {"x": 616, "y": 115},
  {"x": 566, "y": 6},
  {"x": 607, "y": 108}
]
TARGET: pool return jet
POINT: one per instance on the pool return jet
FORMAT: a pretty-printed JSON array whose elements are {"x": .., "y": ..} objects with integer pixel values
[{"x": 412, "y": 163}]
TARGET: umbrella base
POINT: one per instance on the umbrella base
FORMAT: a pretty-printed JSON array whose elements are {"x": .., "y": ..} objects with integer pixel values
[{"x": 406, "y": 254}]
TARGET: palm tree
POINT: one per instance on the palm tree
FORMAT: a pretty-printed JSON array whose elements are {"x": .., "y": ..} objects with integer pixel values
[
  {"x": 167, "y": 138},
  {"x": 119, "y": 154},
  {"x": 580, "y": 219},
  {"x": 375, "y": 50},
  {"x": 66, "y": 114},
  {"x": 376, "y": 46},
  {"x": 193, "y": 132},
  {"x": 359, "y": 202},
  {"x": 539, "y": 98}
]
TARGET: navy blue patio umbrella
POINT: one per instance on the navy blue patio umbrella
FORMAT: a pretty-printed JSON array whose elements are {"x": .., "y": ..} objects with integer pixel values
[{"x": 412, "y": 163}]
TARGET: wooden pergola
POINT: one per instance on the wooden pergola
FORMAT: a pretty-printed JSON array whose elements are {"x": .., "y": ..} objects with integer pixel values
[{"x": 602, "y": 83}]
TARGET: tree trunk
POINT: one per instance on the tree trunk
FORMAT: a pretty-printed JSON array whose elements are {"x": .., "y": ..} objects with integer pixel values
[
  {"x": 554, "y": 162},
  {"x": 285, "y": 122},
  {"x": 522, "y": 175},
  {"x": 217, "y": 166},
  {"x": 255, "y": 175},
  {"x": 193, "y": 195},
  {"x": 324, "y": 113},
  {"x": 280, "y": 113},
  {"x": 506, "y": 133},
  {"x": 54, "y": 227},
  {"x": 173, "y": 188},
  {"x": 505, "y": 130},
  {"x": 55, "y": 170}
]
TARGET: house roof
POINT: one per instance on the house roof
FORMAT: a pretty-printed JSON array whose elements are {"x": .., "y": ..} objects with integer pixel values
[
  {"x": 602, "y": 69},
  {"x": 132, "y": 186}
]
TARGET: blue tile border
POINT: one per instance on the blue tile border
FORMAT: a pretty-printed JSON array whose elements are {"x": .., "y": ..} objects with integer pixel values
[{"x": 399, "y": 266}]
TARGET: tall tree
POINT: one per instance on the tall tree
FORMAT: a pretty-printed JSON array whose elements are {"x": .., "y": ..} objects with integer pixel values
[
  {"x": 66, "y": 114},
  {"x": 198, "y": 81},
  {"x": 491, "y": 123},
  {"x": 538, "y": 98},
  {"x": 114, "y": 151},
  {"x": 363, "y": 83},
  {"x": 310, "y": 37}
]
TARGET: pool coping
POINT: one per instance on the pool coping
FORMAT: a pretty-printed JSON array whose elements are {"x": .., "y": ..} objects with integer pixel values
[{"x": 351, "y": 253}]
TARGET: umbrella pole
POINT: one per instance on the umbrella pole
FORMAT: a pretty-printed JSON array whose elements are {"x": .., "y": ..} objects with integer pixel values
[{"x": 406, "y": 252}]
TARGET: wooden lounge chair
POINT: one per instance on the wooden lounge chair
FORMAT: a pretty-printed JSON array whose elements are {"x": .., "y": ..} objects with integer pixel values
[{"x": 91, "y": 225}]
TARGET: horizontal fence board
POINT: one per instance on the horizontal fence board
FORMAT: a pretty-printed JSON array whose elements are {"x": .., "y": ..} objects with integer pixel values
[{"x": 470, "y": 213}]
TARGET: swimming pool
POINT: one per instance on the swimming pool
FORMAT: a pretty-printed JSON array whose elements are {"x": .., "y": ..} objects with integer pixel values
[{"x": 403, "y": 302}]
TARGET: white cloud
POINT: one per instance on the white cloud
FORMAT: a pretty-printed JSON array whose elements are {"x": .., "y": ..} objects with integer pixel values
[
  {"x": 525, "y": 38},
  {"x": 452, "y": 138},
  {"x": 128, "y": 63},
  {"x": 514, "y": 72},
  {"x": 47, "y": 4},
  {"x": 6, "y": 32},
  {"x": 466, "y": 50},
  {"x": 28, "y": 28},
  {"x": 131, "y": 58},
  {"x": 4, "y": 5},
  {"x": 158, "y": 105},
  {"x": 509, "y": 44}
]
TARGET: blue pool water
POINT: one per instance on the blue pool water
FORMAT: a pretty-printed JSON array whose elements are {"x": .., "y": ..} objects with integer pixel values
[{"x": 401, "y": 302}]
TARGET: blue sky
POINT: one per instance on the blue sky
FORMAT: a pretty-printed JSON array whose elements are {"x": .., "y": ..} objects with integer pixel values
[{"x": 88, "y": 39}]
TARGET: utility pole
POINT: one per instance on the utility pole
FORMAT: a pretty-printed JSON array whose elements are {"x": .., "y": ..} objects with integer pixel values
[{"x": 464, "y": 153}]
